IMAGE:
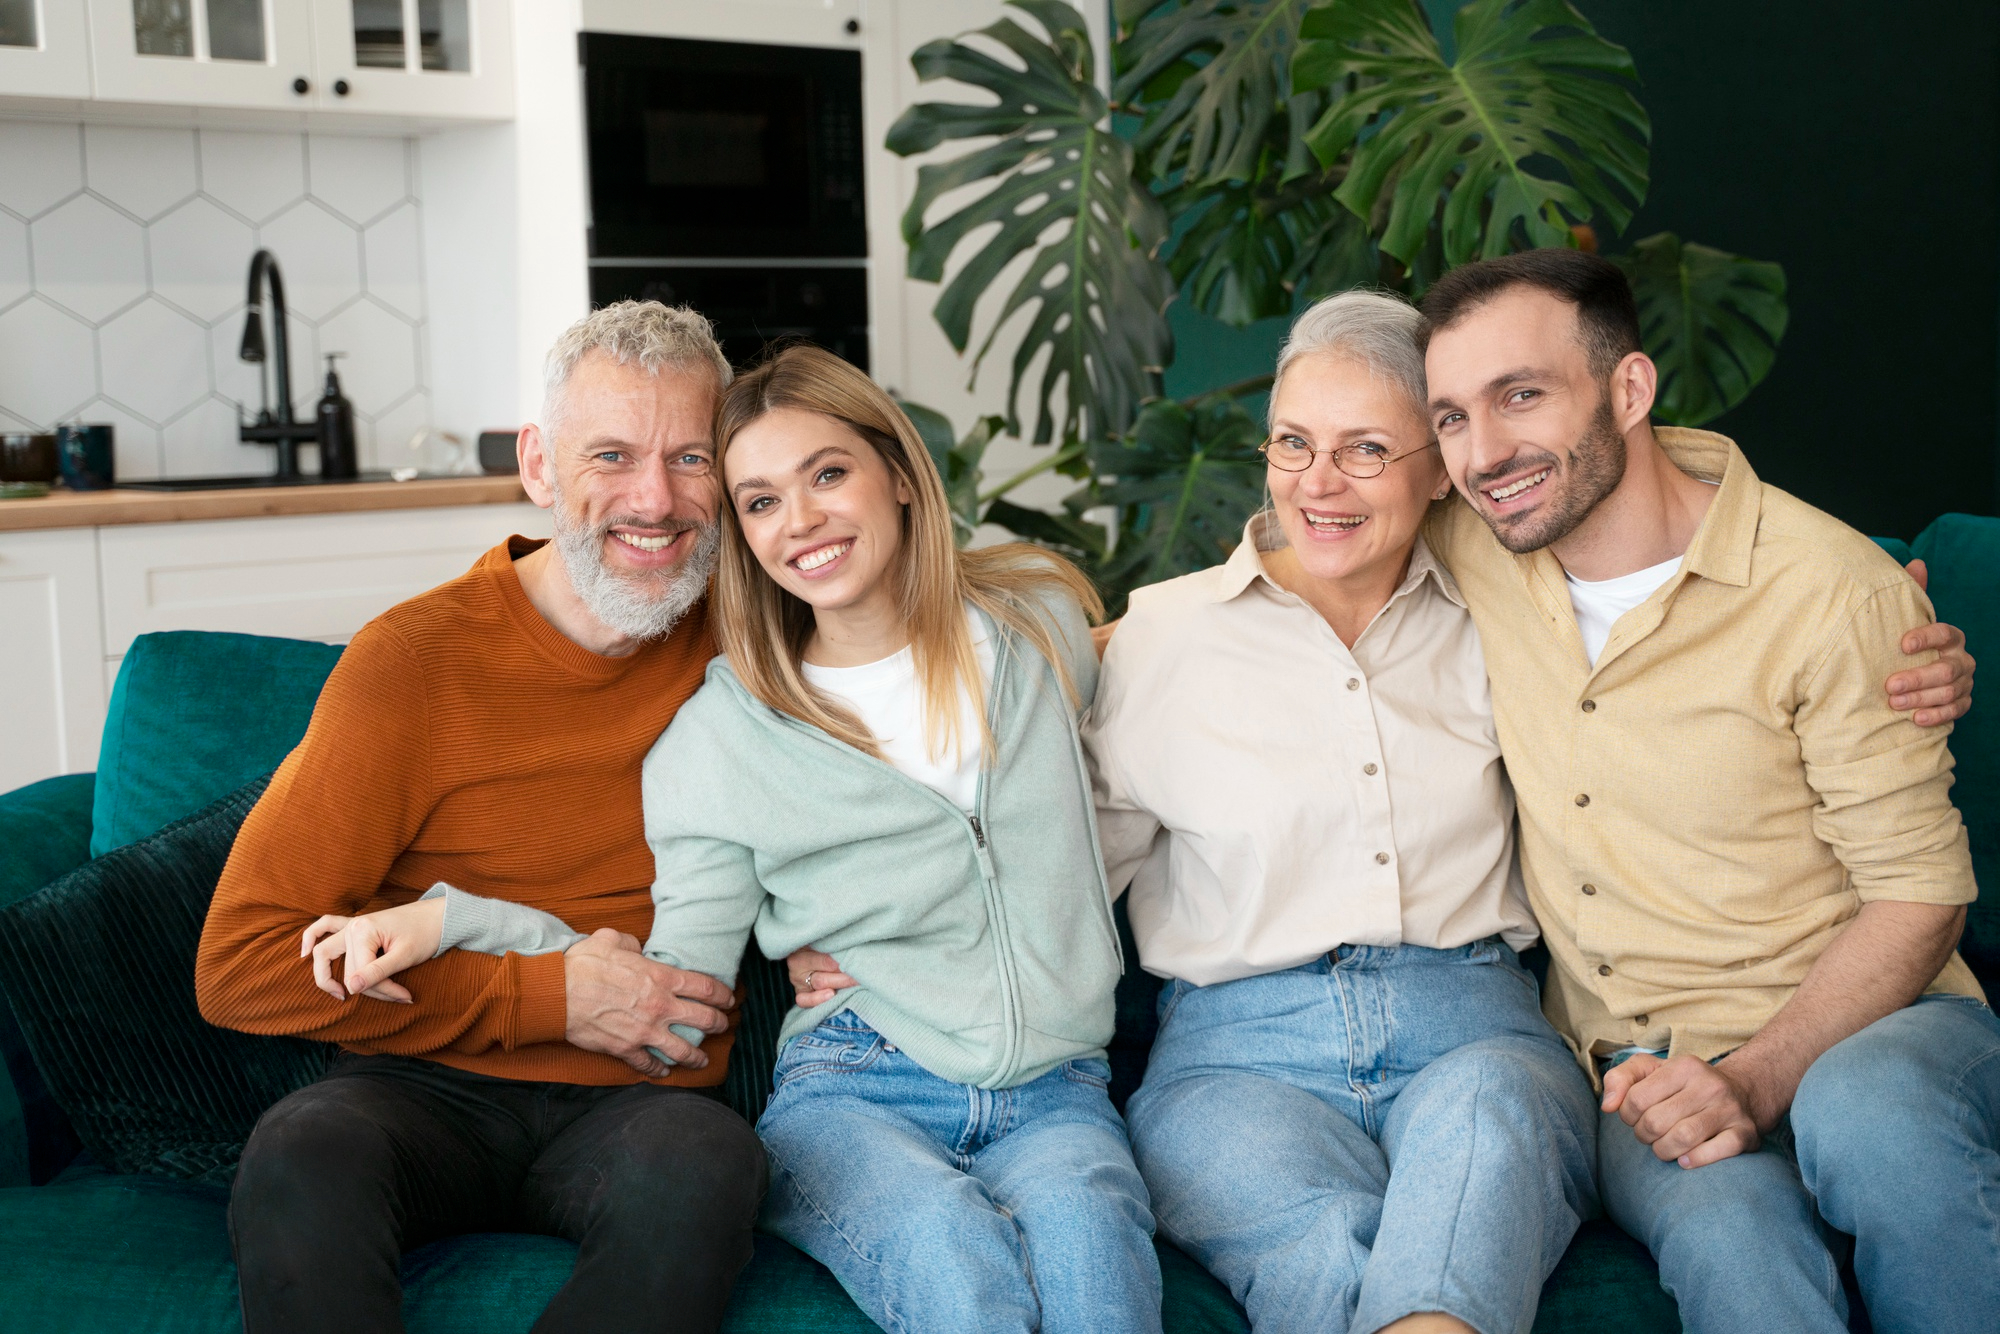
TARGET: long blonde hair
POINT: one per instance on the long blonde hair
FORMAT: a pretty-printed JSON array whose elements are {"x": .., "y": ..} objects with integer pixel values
[{"x": 764, "y": 628}]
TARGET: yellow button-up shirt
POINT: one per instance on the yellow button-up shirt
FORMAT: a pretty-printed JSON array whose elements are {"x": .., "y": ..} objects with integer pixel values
[{"x": 1705, "y": 809}]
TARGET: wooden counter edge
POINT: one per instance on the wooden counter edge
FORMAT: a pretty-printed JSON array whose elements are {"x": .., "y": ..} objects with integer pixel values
[{"x": 98, "y": 509}]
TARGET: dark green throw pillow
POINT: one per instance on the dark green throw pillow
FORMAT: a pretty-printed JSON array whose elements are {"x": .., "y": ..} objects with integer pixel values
[
  {"x": 195, "y": 715},
  {"x": 99, "y": 970}
]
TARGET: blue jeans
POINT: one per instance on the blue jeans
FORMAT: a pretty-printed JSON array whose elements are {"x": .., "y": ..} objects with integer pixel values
[
  {"x": 1893, "y": 1140},
  {"x": 942, "y": 1206},
  {"x": 1386, "y": 1131}
]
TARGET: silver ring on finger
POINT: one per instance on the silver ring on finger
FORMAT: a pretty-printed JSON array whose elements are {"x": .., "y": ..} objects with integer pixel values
[{"x": 809, "y": 980}]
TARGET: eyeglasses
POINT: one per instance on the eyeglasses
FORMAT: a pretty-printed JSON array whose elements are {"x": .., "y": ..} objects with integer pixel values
[{"x": 1362, "y": 459}]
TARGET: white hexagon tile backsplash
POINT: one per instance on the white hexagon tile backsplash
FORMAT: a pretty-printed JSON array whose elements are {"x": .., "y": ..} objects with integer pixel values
[{"x": 124, "y": 258}]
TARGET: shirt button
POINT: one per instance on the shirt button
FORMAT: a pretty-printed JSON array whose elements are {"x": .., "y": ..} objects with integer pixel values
[
  {"x": 1382, "y": 858},
  {"x": 1583, "y": 798},
  {"x": 1604, "y": 970},
  {"x": 1590, "y": 706},
  {"x": 1354, "y": 683},
  {"x": 1642, "y": 1019},
  {"x": 1590, "y": 889},
  {"x": 1368, "y": 769}
]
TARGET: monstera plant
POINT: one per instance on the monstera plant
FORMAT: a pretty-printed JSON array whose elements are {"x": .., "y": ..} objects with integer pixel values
[{"x": 1254, "y": 155}]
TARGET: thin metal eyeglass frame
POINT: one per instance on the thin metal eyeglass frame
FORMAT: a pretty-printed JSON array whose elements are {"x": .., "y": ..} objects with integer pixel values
[{"x": 1340, "y": 454}]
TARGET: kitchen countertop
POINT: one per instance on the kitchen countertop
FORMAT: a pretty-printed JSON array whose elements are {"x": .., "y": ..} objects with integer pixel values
[{"x": 91, "y": 509}]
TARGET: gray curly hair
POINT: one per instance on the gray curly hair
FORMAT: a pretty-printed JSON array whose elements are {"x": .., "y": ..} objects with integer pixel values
[
  {"x": 648, "y": 334},
  {"x": 1379, "y": 329}
]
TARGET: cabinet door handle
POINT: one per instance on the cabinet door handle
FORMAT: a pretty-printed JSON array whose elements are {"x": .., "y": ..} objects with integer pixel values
[
  {"x": 301, "y": 87},
  {"x": 340, "y": 88}
]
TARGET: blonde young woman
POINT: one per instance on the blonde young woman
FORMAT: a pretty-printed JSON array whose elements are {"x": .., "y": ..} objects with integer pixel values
[{"x": 886, "y": 763}]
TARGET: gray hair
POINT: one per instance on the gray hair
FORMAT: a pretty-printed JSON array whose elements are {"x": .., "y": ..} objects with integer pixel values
[
  {"x": 648, "y": 334},
  {"x": 1379, "y": 329}
]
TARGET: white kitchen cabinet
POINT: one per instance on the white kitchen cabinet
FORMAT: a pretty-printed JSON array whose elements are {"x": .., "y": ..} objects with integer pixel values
[
  {"x": 305, "y": 576},
  {"x": 51, "y": 655},
  {"x": 214, "y": 53},
  {"x": 445, "y": 58},
  {"x": 72, "y": 600},
  {"x": 44, "y": 49}
]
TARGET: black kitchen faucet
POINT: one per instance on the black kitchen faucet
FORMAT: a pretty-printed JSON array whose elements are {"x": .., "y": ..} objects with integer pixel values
[{"x": 278, "y": 428}]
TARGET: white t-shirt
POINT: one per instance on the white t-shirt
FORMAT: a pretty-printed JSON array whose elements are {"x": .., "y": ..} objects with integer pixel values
[
  {"x": 885, "y": 696},
  {"x": 1599, "y": 605}
]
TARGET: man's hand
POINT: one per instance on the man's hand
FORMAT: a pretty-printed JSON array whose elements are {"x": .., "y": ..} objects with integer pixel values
[
  {"x": 1942, "y": 691},
  {"x": 620, "y": 1003},
  {"x": 815, "y": 977},
  {"x": 1691, "y": 1112},
  {"x": 376, "y": 947}
]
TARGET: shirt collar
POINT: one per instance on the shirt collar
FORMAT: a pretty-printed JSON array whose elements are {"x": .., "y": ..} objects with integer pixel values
[
  {"x": 1723, "y": 542},
  {"x": 1264, "y": 533}
]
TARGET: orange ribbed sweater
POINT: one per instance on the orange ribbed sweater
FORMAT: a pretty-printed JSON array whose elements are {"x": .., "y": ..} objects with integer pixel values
[{"x": 462, "y": 738}]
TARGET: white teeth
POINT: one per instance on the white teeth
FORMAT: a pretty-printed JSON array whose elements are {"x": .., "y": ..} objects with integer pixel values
[
  {"x": 1512, "y": 489},
  {"x": 1333, "y": 521},
  {"x": 646, "y": 543},
  {"x": 812, "y": 560}
]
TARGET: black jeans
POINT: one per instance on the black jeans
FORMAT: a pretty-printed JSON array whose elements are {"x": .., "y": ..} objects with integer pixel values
[{"x": 657, "y": 1186}]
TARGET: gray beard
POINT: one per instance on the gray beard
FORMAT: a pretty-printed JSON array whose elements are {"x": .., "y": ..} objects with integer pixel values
[{"x": 642, "y": 606}]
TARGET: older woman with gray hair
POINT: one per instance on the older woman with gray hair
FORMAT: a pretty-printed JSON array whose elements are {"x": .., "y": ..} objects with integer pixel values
[{"x": 1355, "y": 1114}]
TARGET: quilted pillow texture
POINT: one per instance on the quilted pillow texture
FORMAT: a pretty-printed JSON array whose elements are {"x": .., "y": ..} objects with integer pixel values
[{"x": 99, "y": 969}]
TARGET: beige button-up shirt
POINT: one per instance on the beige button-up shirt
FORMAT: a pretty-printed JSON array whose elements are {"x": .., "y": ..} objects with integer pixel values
[
  {"x": 1703, "y": 810},
  {"x": 1278, "y": 795}
]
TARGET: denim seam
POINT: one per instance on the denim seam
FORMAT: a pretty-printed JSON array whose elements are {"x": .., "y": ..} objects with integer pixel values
[
  {"x": 1340, "y": 990},
  {"x": 1961, "y": 1086},
  {"x": 791, "y": 1179}
]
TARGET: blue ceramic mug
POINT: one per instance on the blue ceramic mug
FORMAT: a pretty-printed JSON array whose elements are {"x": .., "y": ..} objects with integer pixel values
[{"x": 85, "y": 454}]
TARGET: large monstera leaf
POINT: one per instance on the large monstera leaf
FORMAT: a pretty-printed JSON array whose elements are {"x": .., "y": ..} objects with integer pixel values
[
  {"x": 1710, "y": 320},
  {"x": 1209, "y": 74},
  {"x": 1063, "y": 187},
  {"x": 1466, "y": 145},
  {"x": 1185, "y": 480}
]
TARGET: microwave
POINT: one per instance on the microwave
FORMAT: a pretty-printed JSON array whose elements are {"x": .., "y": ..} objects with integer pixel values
[{"x": 714, "y": 150}]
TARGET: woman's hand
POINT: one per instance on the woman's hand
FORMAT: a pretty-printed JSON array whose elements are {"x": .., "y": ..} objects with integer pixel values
[
  {"x": 376, "y": 947},
  {"x": 815, "y": 977}
]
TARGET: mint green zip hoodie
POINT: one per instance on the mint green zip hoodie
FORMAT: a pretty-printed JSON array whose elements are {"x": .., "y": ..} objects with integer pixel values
[{"x": 983, "y": 944}]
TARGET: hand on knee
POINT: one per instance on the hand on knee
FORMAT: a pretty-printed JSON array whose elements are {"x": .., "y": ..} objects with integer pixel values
[{"x": 1428, "y": 1322}]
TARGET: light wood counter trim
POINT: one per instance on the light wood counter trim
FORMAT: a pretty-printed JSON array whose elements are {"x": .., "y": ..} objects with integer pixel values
[{"x": 94, "y": 509}]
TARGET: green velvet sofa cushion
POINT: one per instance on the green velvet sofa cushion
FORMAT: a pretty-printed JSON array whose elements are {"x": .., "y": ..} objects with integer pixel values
[
  {"x": 119, "y": 1253},
  {"x": 1963, "y": 553},
  {"x": 195, "y": 715},
  {"x": 44, "y": 835},
  {"x": 99, "y": 971}
]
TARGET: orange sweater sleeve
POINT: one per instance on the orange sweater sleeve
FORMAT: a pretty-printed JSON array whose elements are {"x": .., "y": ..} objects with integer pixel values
[{"x": 339, "y": 812}]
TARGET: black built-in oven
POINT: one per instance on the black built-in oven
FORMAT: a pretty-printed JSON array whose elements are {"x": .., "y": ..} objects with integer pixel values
[{"x": 728, "y": 176}]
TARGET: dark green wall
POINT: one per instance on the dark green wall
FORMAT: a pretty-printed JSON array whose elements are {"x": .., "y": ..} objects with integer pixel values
[{"x": 1859, "y": 146}]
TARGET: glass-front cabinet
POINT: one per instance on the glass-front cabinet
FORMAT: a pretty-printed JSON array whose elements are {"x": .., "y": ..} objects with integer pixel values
[
  {"x": 417, "y": 57},
  {"x": 44, "y": 49},
  {"x": 427, "y": 59},
  {"x": 225, "y": 53}
]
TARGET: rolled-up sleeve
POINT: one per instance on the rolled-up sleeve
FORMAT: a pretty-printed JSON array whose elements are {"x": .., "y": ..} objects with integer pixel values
[{"x": 1883, "y": 783}]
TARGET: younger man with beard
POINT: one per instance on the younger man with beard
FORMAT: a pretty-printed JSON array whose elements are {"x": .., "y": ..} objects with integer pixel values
[
  {"x": 489, "y": 734},
  {"x": 1745, "y": 862}
]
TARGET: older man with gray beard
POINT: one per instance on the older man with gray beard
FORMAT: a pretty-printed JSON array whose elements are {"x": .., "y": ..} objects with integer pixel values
[{"x": 488, "y": 735}]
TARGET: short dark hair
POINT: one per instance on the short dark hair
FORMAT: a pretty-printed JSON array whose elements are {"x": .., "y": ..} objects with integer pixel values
[{"x": 1607, "y": 316}]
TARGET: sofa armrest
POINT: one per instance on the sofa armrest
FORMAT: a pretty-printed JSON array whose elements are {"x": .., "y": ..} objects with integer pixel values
[{"x": 44, "y": 835}]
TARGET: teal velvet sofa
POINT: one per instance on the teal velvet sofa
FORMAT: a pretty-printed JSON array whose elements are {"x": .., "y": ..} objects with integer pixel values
[{"x": 195, "y": 716}]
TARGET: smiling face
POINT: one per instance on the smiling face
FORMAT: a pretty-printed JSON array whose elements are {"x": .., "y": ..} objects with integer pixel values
[
  {"x": 1343, "y": 528},
  {"x": 1526, "y": 428},
  {"x": 820, "y": 509},
  {"x": 627, "y": 469}
]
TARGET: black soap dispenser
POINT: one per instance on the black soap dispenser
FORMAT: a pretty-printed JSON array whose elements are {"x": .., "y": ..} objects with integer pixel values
[{"x": 337, "y": 458}]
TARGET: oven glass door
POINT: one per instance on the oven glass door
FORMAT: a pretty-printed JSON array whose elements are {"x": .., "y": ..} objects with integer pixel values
[{"x": 723, "y": 149}]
